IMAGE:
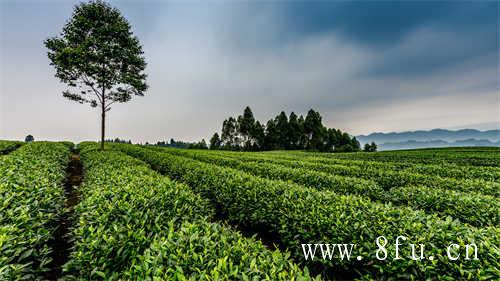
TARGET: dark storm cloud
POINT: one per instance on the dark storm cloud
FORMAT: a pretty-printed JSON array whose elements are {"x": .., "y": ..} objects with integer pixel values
[
  {"x": 380, "y": 23},
  {"x": 458, "y": 31},
  {"x": 369, "y": 23}
]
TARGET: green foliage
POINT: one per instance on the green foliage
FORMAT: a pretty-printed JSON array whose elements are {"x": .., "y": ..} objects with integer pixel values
[
  {"x": 283, "y": 130},
  {"x": 68, "y": 144},
  {"x": 370, "y": 147},
  {"x": 433, "y": 168},
  {"x": 97, "y": 50},
  {"x": 199, "y": 145},
  {"x": 118, "y": 140},
  {"x": 473, "y": 156},
  {"x": 229, "y": 135},
  {"x": 296, "y": 215},
  {"x": 271, "y": 138},
  {"x": 215, "y": 142},
  {"x": 182, "y": 144},
  {"x": 208, "y": 251},
  {"x": 318, "y": 180},
  {"x": 8, "y": 146},
  {"x": 246, "y": 125},
  {"x": 476, "y": 209},
  {"x": 98, "y": 58},
  {"x": 29, "y": 138},
  {"x": 294, "y": 132},
  {"x": 314, "y": 130},
  {"x": 247, "y": 134},
  {"x": 135, "y": 224},
  {"x": 115, "y": 214},
  {"x": 32, "y": 199},
  {"x": 391, "y": 176}
]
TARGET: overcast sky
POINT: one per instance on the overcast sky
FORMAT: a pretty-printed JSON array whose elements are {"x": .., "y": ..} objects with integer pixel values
[{"x": 367, "y": 67}]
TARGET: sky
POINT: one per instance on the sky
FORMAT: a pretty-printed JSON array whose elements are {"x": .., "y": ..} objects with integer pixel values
[{"x": 366, "y": 66}]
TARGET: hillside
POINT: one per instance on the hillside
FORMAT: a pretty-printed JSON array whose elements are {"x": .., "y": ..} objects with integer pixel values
[{"x": 432, "y": 138}]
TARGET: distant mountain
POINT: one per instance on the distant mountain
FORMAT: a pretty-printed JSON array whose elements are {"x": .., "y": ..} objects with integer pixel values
[
  {"x": 432, "y": 138},
  {"x": 435, "y": 134},
  {"x": 435, "y": 143},
  {"x": 478, "y": 126}
]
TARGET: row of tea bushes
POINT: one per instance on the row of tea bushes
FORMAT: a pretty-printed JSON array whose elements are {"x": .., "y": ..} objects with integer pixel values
[
  {"x": 299, "y": 215},
  {"x": 441, "y": 170},
  {"x": 462, "y": 156},
  {"x": 7, "y": 146},
  {"x": 31, "y": 203},
  {"x": 135, "y": 224},
  {"x": 383, "y": 176},
  {"x": 317, "y": 180},
  {"x": 473, "y": 208}
]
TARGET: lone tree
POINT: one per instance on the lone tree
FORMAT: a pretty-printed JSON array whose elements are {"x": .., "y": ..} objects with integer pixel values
[{"x": 99, "y": 58}]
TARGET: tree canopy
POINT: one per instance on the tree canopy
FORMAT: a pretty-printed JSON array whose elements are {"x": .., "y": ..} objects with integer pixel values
[
  {"x": 182, "y": 144},
  {"x": 370, "y": 147},
  {"x": 282, "y": 132},
  {"x": 98, "y": 58}
]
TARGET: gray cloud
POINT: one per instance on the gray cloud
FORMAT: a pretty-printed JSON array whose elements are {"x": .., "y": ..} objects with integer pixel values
[{"x": 208, "y": 61}]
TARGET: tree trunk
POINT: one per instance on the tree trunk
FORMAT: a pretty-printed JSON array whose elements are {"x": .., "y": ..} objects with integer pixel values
[
  {"x": 103, "y": 116},
  {"x": 103, "y": 126}
]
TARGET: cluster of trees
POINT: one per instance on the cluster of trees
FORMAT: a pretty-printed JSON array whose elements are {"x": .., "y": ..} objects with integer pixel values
[
  {"x": 282, "y": 132},
  {"x": 181, "y": 144},
  {"x": 370, "y": 147},
  {"x": 118, "y": 140}
]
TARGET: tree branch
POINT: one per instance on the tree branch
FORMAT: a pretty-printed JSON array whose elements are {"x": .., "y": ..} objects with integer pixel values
[
  {"x": 88, "y": 83},
  {"x": 107, "y": 107}
]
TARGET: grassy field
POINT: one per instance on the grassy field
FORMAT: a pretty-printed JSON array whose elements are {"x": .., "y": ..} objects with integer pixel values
[{"x": 154, "y": 213}]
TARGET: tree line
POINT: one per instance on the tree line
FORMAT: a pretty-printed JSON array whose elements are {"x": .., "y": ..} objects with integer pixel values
[
  {"x": 118, "y": 140},
  {"x": 183, "y": 144},
  {"x": 283, "y": 132}
]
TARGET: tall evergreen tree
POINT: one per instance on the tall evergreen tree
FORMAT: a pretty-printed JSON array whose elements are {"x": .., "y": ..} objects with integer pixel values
[
  {"x": 202, "y": 144},
  {"x": 356, "y": 146},
  {"x": 332, "y": 139},
  {"x": 347, "y": 144},
  {"x": 215, "y": 141},
  {"x": 271, "y": 139},
  {"x": 229, "y": 135},
  {"x": 282, "y": 130},
  {"x": 258, "y": 134},
  {"x": 294, "y": 131},
  {"x": 303, "y": 139},
  {"x": 246, "y": 124},
  {"x": 314, "y": 130}
]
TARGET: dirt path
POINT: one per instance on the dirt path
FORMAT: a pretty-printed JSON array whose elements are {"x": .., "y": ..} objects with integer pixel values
[{"x": 61, "y": 243}]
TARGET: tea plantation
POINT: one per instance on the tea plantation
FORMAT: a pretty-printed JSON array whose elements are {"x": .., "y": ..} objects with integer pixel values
[{"x": 153, "y": 213}]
